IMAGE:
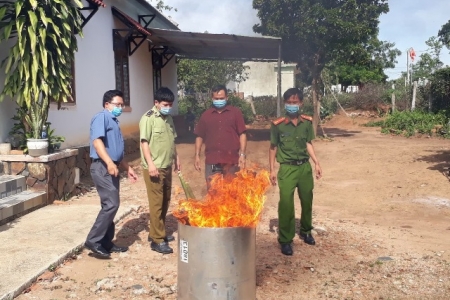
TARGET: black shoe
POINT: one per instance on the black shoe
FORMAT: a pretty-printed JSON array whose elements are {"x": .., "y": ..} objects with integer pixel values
[
  {"x": 116, "y": 248},
  {"x": 286, "y": 249},
  {"x": 98, "y": 250},
  {"x": 162, "y": 247},
  {"x": 167, "y": 239},
  {"x": 308, "y": 238}
]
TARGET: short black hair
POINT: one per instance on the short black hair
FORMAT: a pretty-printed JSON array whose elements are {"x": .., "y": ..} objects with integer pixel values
[
  {"x": 109, "y": 95},
  {"x": 291, "y": 92},
  {"x": 164, "y": 94},
  {"x": 218, "y": 88}
]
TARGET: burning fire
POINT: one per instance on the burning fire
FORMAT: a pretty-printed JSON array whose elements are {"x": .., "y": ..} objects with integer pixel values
[{"x": 230, "y": 202}]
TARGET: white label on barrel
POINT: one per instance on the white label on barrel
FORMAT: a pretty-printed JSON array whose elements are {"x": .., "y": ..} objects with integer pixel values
[{"x": 184, "y": 251}]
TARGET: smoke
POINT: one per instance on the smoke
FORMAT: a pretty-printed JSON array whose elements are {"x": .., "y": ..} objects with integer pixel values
[{"x": 214, "y": 16}]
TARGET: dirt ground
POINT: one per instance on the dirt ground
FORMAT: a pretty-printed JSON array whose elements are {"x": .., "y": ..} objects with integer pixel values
[{"x": 381, "y": 212}]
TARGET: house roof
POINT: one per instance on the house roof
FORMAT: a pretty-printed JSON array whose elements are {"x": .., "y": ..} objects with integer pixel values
[
  {"x": 129, "y": 21},
  {"x": 97, "y": 2},
  {"x": 216, "y": 46},
  {"x": 206, "y": 45},
  {"x": 160, "y": 16}
]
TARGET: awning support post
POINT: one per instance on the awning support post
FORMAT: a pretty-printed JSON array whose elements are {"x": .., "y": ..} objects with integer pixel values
[
  {"x": 92, "y": 10},
  {"x": 133, "y": 39},
  {"x": 279, "y": 82}
]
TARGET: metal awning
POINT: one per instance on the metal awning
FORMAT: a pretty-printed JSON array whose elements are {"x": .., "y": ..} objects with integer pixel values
[
  {"x": 129, "y": 21},
  {"x": 216, "y": 46}
]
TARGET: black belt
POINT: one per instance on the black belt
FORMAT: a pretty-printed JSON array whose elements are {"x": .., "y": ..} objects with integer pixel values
[
  {"x": 101, "y": 160},
  {"x": 296, "y": 162}
]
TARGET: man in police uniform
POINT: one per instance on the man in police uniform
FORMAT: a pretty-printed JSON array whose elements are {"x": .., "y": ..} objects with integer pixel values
[
  {"x": 106, "y": 152},
  {"x": 290, "y": 144},
  {"x": 158, "y": 153}
]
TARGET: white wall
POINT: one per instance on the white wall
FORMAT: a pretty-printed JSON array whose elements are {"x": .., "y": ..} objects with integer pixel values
[
  {"x": 262, "y": 79},
  {"x": 170, "y": 81},
  {"x": 95, "y": 74},
  {"x": 94, "y": 67},
  {"x": 7, "y": 106},
  {"x": 287, "y": 77}
]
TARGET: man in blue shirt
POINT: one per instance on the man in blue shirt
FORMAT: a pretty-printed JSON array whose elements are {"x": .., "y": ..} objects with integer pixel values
[{"x": 107, "y": 151}]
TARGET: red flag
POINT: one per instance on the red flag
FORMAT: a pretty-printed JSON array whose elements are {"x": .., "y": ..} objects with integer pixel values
[{"x": 412, "y": 54}]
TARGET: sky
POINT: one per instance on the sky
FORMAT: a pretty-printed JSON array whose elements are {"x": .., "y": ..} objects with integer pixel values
[{"x": 409, "y": 23}]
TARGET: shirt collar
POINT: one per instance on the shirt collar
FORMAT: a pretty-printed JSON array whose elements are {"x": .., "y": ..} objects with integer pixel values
[
  {"x": 288, "y": 119},
  {"x": 109, "y": 114},
  {"x": 217, "y": 111},
  {"x": 156, "y": 111}
]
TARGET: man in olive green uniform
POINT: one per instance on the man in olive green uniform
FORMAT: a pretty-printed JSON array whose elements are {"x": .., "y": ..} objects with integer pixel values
[
  {"x": 158, "y": 153},
  {"x": 290, "y": 144}
]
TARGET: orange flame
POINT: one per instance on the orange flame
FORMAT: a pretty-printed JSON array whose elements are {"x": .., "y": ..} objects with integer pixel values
[{"x": 230, "y": 202}]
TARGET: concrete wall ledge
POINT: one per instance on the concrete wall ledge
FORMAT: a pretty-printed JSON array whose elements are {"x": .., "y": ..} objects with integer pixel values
[{"x": 40, "y": 159}]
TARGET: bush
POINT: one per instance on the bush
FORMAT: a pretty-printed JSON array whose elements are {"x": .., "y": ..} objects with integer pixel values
[
  {"x": 408, "y": 123},
  {"x": 244, "y": 106},
  {"x": 374, "y": 124},
  {"x": 200, "y": 106},
  {"x": 266, "y": 106}
]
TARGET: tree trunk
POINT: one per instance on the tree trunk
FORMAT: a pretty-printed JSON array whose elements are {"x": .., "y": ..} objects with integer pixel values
[{"x": 316, "y": 103}]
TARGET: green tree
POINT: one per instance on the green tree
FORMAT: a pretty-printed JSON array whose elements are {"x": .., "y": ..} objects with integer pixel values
[
  {"x": 315, "y": 33},
  {"x": 365, "y": 63},
  {"x": 162, "y": 6},
  {"x": 440, "y": 89},
  {"x": 38, "y": 67},
  {"x": 444, "y": 34},
  {"x": 429, "y": 62},
  {"x": 201, "y": 75}
]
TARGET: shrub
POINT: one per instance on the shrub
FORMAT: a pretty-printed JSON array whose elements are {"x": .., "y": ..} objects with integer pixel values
[
  {"x": 265, "y": 106},
  {"x": 409, "y": 123},
  {"x": 244, "y": 106},
  {"x": 199, "y": 107}
]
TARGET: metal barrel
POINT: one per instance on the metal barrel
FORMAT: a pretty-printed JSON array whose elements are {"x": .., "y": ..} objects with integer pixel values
[{"x": 216, "y": 263}]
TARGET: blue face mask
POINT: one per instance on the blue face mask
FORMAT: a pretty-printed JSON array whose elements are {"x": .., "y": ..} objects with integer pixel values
[
  {"x": 219, "y": 103},
  {"x": 291, "y": 108},
  {"x": 117, "y": 111},
  {"x": 165, "y": 110}
]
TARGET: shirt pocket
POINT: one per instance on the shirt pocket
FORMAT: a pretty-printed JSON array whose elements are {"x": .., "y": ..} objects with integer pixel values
[
  {"x": 287, "y": 139},
  {"x": 159, "y": 133}
]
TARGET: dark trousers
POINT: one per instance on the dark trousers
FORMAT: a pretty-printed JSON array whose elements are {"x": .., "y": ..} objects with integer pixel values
[
  {"x": 224, "y": 169},
  {"x": 102, "y": 232},
  {"x": 158, "y": 194}
]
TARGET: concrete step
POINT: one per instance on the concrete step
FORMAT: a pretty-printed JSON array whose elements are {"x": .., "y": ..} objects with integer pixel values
[
  {"x": 19, "y": 204},
  {"x": 11, "y": 185}
]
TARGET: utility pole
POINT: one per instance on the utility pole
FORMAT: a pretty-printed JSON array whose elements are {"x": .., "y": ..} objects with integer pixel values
[{"x": 407, "y": 67}]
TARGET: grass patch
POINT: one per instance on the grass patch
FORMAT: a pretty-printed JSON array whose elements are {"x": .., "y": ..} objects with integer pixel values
[
  {"x": 374, "y": 124},
  {"x": 417, "y": 122}
]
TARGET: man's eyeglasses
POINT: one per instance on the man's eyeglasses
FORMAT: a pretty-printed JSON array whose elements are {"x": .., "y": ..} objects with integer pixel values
[{"x": 118, "y": 104}]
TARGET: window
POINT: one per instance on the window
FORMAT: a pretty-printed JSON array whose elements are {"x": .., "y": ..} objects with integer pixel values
[
  {"x": 121, "y": 66},
  {"x": 156, "y": 79}
]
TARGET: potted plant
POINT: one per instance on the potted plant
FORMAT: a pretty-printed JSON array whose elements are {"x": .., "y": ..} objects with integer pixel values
[{"x": 39, "y": 64}]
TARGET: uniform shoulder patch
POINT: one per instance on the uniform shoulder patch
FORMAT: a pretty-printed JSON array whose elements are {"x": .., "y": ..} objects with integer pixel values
[
  {"x": 149, "y": 113},
  {"x": 306, "y": 117},
  {"x": 278, "y": 121}
]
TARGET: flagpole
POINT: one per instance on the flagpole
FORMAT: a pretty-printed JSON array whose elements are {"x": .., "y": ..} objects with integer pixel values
[{"x": 407, "y": 67}]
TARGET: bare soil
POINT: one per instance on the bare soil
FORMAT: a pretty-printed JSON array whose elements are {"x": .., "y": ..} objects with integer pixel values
[{"x": 381, "y": 212}]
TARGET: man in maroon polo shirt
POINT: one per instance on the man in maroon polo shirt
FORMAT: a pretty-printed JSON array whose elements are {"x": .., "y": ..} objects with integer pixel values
[{"x": 222, "y": 129}]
